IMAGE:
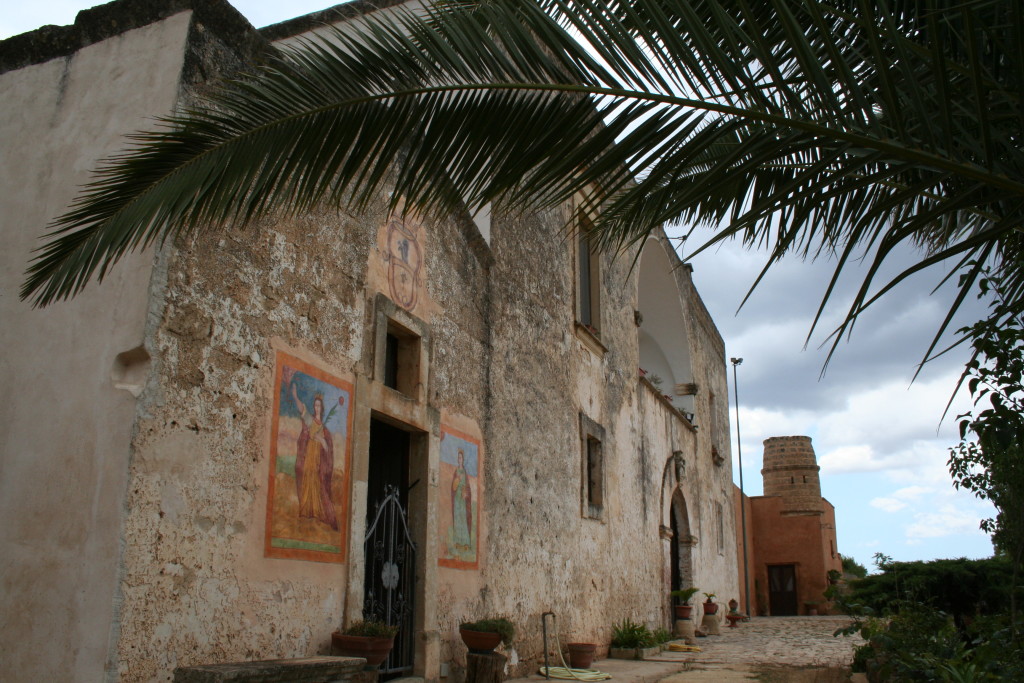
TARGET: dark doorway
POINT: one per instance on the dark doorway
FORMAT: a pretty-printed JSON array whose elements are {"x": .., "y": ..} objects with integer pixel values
[
  {"x": 676, "y": 574},
  {"x": 680, "y": 548},
  {"x": 782, "y": 590},
  {"x": 390, "y": 575}
]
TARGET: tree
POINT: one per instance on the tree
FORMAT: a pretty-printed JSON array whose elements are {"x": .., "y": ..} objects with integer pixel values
[
  {"x": 854, "y": 568},
  {"x": 989, "y": 461},
  {"x": 814, "y": 127}
]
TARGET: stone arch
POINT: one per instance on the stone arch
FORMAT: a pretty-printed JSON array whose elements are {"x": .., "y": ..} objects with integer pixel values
[
  {"x": 681, "y": 545},
  {"x": 663, "y": 339}
]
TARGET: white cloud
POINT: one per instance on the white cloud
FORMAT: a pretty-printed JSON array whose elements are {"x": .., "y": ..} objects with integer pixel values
[
  {"x": 859, "y": 458},
  {"x": 947, "y": 521},
  {"x": 888, "y": 504},
  {"x": 912, "y": 492}
]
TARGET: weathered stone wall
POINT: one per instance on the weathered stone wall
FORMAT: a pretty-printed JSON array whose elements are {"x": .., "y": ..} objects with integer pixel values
[
  {"x": 713, "y": 484},
  {"x": 71, "y": 370},
  {"x": 504, "y": 361}
]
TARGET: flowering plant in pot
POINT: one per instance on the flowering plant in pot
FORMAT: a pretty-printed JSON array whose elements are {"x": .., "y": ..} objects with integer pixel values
[
  {"x": 684, "y": 607},
  {"x": 371, "y": 640},
  {"x": 484, "y": 635},
  {"x": 710, "y": 606}
]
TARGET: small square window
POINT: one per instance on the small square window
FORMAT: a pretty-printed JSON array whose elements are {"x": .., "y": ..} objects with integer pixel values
[
  {"x": 721, "y": 528},
  {"x": 588, "y": 277},
  {"x": 401, "y": 359},
  {"x": 593, "y": 484},
  {"x": 595, "y": 472}
]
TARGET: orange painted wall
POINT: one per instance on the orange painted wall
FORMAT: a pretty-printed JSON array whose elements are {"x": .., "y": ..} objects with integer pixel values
[{"x": 806, "y": 541}]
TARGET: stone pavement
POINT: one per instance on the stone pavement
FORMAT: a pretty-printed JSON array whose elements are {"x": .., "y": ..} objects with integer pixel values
[{"x": 782, "y": 646}]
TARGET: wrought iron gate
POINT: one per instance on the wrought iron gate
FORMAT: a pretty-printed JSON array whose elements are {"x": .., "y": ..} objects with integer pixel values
[{"x": 390, "y": 578}]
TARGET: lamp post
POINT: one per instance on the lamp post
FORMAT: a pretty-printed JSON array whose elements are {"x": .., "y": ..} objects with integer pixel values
[{"x": 743, "y": 506}]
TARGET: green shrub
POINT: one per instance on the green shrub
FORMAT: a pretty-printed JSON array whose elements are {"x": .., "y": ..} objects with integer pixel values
[
  {"x": 631, "y": 635},
  {"x": 370, "y": 629},
  {"x": 854, "y": 568},
  {"x": 661, "y": 635},
  {"x": 960, "y": 588},
  {"x": 499, "y": 625},
  {"x": 912, "y": 645}
]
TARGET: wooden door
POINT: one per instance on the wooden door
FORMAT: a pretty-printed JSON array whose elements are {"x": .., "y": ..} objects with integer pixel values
[{"x": 782, "y": 590}]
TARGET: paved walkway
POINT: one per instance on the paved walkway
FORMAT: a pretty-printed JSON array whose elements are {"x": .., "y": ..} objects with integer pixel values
[{"x": 783, "y": 649}]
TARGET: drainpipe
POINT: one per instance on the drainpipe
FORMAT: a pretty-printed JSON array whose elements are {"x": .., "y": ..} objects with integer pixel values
[{"x": 743, "y": 505}]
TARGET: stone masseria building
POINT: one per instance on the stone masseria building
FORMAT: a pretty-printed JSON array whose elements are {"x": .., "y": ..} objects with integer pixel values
[{"x": 240, "y": 442}]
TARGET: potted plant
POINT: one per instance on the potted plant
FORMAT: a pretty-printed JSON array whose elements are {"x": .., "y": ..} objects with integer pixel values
[
  {"x": 812, "y": 607},
  {"x": 483, "y": 636},
  {"x": 632, "y": 641},
  {"x": 734, "y": 615},
  {"x": 710, "y": 606},
  {"x": 371, "y": 640},
  {"x": 683, "y": 595},
  {"x": 581, "y": 655}
]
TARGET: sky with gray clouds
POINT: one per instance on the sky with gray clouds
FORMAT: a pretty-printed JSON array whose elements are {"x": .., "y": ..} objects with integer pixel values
[{"x": 880, "y": 444}]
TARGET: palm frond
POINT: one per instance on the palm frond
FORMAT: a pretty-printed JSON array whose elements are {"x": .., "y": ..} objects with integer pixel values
[{"x": 811, "y": 126}]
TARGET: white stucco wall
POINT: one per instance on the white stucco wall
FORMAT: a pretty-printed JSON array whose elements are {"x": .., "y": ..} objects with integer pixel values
[{"x": 64, "y": 426}]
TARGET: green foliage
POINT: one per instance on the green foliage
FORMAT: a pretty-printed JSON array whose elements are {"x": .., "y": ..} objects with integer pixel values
[
  {"x": 920, "y": 643},
  {"x": 853, "y": 567},
  {"x": 684, "y": 594},
  {"x": 912, "y": 645},
  {"x": 661, "y": 635},
  {"x": 370, "y": 629},
  {"x": 989, "y": 461},
  {"x": 710, "y": 597},
  {"x": 996, "y": 652},
  {"x": 946, "y": 620},
  {"x": 628, "y": 634},
  {"x": 957, "y": 587},
  {"x": 499, "y": 625}
]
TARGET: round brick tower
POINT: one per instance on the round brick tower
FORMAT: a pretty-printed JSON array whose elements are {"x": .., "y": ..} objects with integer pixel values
[{"x": 791, "y": 472}]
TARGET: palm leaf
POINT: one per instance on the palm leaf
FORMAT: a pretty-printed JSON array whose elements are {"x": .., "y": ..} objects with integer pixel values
[{"x": 810, "y": 126}]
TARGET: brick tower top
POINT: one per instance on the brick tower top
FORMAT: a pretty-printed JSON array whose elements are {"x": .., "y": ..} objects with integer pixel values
[{"x": 791, "y": 472}]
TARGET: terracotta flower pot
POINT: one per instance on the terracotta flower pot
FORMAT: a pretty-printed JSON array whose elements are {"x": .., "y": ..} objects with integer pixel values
[
  {"x": 683, "y": 611},
  {"x": 480, "y": 642},
  {"x": 710, "y": 608},
  {"x": 373, "y": 650},
  {"x": 581, "y": 655}
]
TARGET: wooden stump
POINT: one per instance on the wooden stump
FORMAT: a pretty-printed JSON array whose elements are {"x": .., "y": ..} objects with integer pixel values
[{"x": 485, "y": 668}]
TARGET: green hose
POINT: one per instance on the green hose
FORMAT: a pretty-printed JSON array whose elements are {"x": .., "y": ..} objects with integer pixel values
[
  {"x": 564, "y": 672},
  {"x": 574, "y": 674}
]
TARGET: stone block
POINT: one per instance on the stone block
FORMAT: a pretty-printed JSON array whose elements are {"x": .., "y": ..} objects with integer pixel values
[{"x": 305, "y": 670}]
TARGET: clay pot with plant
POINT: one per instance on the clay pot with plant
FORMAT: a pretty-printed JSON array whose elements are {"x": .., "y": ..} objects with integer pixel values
[
  {"x": 371, "y": 640},
  {"x": 484, "y": 635},
  {"x": 710, "y": 606},
  {"x": 683, "y": 608}
]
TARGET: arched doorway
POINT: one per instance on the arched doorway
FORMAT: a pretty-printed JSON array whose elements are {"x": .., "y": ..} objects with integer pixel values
[{"x": 681, "y": 547}]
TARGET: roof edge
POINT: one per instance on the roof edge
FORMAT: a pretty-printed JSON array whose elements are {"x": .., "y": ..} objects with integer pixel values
[
  {"x": 114, "y": 18},
  {"x": 313, "y": 20}
]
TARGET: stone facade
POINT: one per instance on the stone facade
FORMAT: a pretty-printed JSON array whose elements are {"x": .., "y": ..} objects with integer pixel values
[
  {"x": 791, "y": 532},
  {"x": 140, "y": 499}
]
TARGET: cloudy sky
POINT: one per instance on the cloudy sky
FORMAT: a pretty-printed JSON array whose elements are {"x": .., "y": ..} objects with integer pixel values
[{"x": 878, "y": 437}]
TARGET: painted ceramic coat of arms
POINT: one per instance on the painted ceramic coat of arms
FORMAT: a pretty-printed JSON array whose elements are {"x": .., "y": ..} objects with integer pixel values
[
  {"x": 307, "y": 504},
  {"x": 404, "y": 257},
  {"x": 460, "y": 500}
]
